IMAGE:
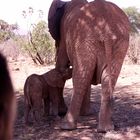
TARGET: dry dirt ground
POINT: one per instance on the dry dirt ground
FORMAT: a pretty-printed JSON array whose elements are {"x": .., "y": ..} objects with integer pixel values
[{"x": 126, "y": 108}]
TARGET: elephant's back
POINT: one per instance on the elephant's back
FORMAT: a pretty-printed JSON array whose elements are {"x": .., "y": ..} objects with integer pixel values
[
  {"x": 33, "y": 84},
  {"x": 108, "y": 16},
  {"x": 97, "y": 17}
]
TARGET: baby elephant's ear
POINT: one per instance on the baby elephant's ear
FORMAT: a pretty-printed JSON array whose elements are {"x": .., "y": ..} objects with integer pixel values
[{"x": 54, "y": 79}]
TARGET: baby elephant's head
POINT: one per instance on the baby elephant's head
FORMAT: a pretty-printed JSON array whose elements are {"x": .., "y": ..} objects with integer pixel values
[{"x": 57, "y": 79}]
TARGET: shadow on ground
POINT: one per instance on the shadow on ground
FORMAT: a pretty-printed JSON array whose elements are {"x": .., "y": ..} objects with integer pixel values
[{"x": 126, "y": 117}]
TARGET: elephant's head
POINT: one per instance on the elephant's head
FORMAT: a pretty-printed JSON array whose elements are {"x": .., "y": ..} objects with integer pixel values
[
  {"x": 56, "y": 12},
  {"x": 57, "y": 79}
]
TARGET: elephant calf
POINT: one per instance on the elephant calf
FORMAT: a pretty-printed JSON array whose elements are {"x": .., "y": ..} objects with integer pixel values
[
  {"x": 7, "y": 102},
  {"x": 43, "y": 91}
]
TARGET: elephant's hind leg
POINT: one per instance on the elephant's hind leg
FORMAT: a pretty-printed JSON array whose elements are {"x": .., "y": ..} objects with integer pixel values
[
  {"x": 105, "y": 114},
  {"x": 81, "y": 81},
  {"x": 70, "y": 120}
]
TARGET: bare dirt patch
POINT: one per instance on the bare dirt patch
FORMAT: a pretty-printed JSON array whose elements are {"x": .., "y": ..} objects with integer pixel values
[{"x": 126, "y": 108}]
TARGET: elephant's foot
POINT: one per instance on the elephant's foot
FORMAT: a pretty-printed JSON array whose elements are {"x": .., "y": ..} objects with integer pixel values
[
  {"x": 86, "y": 112},
  {"x": 105, "y": 127},
  {"x": 62, "y": 111},
  {"x": 66, "y": 125}
]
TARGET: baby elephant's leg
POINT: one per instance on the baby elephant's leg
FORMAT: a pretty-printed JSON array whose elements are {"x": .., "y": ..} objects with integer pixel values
[
  {"x": 37, "y": 110},
  {"x": 54, "y": 98},
  {"x": 26, "y": 114},
  {"x": 46, "y": 106},
  {"x": 62, "y": 108}
]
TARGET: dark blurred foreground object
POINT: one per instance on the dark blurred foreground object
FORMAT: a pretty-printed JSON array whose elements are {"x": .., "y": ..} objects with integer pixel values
[{"x": 7, "y": 102}]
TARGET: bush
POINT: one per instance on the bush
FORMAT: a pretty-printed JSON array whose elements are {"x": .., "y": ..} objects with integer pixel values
[{"x": 133, "y": 53}]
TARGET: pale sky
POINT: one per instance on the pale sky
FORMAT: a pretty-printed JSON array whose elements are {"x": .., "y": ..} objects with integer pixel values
[{"x": 11, "y": 10}]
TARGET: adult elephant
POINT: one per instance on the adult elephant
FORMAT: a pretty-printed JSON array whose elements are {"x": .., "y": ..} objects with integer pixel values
[{"x": 94, "y": 39}]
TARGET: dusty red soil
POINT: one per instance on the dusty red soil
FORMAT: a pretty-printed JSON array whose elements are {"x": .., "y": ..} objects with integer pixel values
[{"x": 126, "y": 109}]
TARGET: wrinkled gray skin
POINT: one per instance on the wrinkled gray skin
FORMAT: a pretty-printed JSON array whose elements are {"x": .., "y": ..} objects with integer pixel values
[
  {"x": 94, "y": 40},
  {"x": 47, "y": 88}
]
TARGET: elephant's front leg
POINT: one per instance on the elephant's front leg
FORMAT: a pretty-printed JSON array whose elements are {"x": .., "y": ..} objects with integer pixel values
[
  {"x": 62, "y": 61},
  {"x": 46, "y": 106},
  {"x": 62, "y": 108},
  {"x": 86, "y": 103}
]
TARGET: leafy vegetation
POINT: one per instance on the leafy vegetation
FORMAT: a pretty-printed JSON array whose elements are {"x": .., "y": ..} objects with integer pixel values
[
  {"x": 133, "y": 53},
  {"x": 134, "y": 17},
  {"x": 37, "y": 43},
  {"x": 6, "y": 30},
  {"x": 41, "y": 44},
  {"x": 134, "y": 49}
]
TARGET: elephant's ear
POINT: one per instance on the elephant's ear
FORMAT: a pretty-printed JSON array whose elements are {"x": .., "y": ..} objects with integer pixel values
[
  {"x": 56, "y": 12},
  {"x": 54, "y": 79}
]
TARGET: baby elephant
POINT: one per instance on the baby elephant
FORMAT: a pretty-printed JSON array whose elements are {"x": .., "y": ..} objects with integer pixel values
[{"x": 43, "y": 91}]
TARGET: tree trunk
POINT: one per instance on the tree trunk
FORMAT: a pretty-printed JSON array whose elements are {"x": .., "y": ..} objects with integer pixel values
[{"x": 38, "y": 57}]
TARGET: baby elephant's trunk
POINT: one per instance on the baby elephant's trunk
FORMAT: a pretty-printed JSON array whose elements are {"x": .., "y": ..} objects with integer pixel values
[{"x": 67, "y": 74}]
